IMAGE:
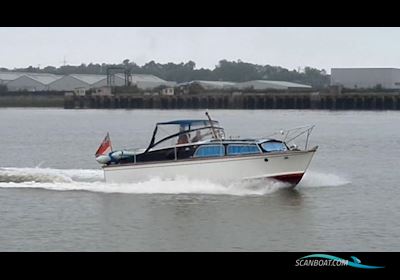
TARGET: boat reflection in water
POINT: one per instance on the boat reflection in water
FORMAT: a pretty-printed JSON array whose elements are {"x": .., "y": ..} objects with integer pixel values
[{"x": 198, "y": 149}]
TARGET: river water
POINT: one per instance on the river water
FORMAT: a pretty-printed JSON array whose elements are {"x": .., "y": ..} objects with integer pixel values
[{"x": 53, "y": 197}]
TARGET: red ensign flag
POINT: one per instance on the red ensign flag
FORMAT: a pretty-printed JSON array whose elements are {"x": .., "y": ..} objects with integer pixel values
[{"x": 105, "y": 146}]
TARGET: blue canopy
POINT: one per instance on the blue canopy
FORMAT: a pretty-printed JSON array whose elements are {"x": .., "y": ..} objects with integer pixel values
[{"x": 188, "y": 122}]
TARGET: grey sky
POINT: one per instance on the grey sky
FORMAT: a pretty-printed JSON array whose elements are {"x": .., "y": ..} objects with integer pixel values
[{"x": 288, "y": 47}]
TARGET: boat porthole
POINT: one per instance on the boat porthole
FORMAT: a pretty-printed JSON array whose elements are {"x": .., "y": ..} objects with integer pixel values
[{"x": 265, "y": 159}]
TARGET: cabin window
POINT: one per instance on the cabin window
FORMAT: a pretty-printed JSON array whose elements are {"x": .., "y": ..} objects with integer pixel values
[
  {"x": 273, "y": 146},
  {"x": 242, "y": 149},
  {"x": 210, "y": 151}
]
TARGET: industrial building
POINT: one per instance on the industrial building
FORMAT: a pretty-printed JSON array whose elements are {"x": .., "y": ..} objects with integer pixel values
[
  {"x": 366, "y": 78},
  {"x": 82, "y": 81},
  {"x": 149, "y": 82},
  {"x": 271, "y": 85},
  {"x": 20, "y": 81},
  {"x": 32, "y": 82},
  {"x": 6, "y": 77},
  {"x": 27, "y": 80},
  {"x": 71, "y": 82},
  {"x": 209, "y": 85},
  {"x": 258, "y": 85}
]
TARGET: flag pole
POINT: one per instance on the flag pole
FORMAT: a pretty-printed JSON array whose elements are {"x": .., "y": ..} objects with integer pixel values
[{"x": 108, "y": 134}]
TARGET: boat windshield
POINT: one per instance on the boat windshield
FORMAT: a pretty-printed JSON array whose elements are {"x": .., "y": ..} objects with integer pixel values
[{"x": 170, "y": 134}]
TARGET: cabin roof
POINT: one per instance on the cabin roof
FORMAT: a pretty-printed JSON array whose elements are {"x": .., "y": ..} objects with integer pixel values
[{"x": 188, "y": 122}]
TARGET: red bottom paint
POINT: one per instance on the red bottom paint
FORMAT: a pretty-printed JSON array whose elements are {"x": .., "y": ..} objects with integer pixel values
[{"x": 292, "y": 179}]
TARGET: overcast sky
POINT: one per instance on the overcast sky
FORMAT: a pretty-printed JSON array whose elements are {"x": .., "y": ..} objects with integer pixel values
[{"x": 291, "y": 48}]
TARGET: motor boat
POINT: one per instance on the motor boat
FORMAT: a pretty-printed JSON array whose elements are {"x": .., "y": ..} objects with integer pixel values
[{"x": 198, "y": 149}]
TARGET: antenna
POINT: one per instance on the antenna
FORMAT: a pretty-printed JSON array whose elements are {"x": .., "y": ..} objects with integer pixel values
[
  {"x": 64, "y": 61},
  {"x": 212, "y": 127}
]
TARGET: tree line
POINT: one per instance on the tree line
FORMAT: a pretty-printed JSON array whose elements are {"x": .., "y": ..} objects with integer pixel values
[{"x": 234, "y": 71}]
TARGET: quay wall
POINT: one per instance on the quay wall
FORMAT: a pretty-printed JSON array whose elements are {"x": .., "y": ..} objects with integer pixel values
[
  {"x": 328, "y": 101},
  {"x": 348, "y": 101}
]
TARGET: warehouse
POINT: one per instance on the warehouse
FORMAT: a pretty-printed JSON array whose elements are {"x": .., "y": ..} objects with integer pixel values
[
  {"x": 6, "y": 77},
  {"x": 18, "y": 81},
  {"x": 143, "y": 81},
  {"x": 366, "y": 78},
  {"x": 199, "y": 86},
  {"x": 82, "y": 81},
  {"x": 208, "y": 85},
  {"x": 271, "y": 85},
  {"x": 74, "y": 81},
  {"x": 32, "y": 82}
]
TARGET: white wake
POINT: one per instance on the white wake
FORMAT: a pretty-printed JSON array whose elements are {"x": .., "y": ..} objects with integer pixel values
[
  {"x": 319, "y": 179},
  {"x": 93, "y": 180}
]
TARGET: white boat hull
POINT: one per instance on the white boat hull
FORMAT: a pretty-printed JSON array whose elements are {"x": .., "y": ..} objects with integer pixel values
[{"x": 289, "y": 166}]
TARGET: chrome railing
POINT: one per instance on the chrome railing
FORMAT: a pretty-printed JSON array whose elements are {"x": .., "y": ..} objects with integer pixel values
[{"x": 288, "y": 135}]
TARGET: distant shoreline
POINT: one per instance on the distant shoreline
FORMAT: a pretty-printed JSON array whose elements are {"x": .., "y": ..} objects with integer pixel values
[{"x": 282, "y": 100}]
